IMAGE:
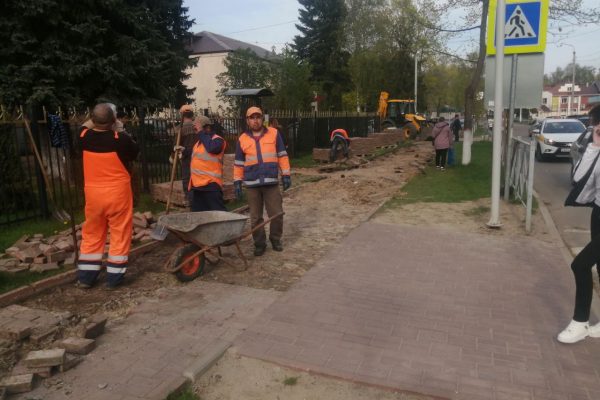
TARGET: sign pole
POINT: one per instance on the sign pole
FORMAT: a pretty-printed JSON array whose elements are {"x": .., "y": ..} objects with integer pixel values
[
  {"x": 511, "y": 120},
  {"x": 498, "y": 108}
]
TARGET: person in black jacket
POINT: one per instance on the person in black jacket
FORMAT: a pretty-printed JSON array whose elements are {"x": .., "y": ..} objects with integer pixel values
[
  {"x": 456, "y": 127},
  {"x": 586, "y": 192}
]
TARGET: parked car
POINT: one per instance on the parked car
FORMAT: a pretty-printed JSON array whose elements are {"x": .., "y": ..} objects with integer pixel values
[
  {"x": 585, "y": 119},
  {"x": 578, "y": 147},
  {"x": 555, "y": 137}
]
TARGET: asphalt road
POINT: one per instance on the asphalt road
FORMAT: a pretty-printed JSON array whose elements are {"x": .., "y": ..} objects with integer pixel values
[{"x": 552, "y": 182}]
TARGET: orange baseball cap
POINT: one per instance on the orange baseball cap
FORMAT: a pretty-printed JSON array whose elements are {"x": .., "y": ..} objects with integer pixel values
[
  {"x": 186, "y": 107},
  {"x": 253, "y": 110}
]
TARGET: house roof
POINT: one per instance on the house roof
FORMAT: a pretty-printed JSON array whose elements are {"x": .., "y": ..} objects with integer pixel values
[
  {"x": 590, "y": 90},
  {"x": 208, "y": 42}
]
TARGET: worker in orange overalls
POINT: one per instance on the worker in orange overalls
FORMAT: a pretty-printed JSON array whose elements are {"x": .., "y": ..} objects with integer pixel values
[
  {"x": 108, "y": 197},
  {"x": 339, "y": 141},
  {"x": 259, "y": 156},
  {"x": 206, "y": 168}
]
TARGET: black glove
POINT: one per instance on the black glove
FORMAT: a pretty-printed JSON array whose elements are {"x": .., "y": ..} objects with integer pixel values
[
  {"x": 238, "y": 189},
  {"x": 286, "y": 180}
]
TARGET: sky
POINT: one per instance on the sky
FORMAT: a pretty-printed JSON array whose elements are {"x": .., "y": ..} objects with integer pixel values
[{"x": 269, "y": 23}]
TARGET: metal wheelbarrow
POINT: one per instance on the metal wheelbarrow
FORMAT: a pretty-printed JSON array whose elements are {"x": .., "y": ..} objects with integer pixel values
[{"x": 204, "y": 233}]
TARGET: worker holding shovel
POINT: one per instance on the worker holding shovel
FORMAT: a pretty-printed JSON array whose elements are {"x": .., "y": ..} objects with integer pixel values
[{"x": 108, "y": 198}]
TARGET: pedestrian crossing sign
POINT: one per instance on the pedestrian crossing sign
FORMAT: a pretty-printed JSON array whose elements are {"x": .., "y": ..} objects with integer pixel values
[{"x": 525, "y": 26}]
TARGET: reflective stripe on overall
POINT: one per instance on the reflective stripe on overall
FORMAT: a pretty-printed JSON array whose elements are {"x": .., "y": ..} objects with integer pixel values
[{"x": 206, "y": 167}]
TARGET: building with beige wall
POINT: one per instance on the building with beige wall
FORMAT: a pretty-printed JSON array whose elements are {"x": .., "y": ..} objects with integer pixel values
[{"x": 211, "y": 49}]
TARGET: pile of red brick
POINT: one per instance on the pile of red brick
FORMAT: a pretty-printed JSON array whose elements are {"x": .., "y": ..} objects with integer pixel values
[
  {"x": 39, "y": 330},
  {"x": 360, "y": 146},
  {"x": 38, "y": 253}
]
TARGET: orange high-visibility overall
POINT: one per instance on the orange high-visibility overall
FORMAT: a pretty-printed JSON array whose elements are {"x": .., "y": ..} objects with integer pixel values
[{"x": 108, "y": 205}]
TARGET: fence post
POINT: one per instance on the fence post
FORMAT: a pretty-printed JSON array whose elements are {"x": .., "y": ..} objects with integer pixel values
[
  {"x": 32, "y": 114},
  {"x": 143, "y": 152}
]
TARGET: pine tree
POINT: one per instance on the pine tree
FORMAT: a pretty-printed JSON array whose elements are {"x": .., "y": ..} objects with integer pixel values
[
  {"x": 321, "y": 44},
  {"x": 78, "y": 52}
]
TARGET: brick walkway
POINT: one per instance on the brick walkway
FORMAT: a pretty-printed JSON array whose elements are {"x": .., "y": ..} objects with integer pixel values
[
  {"x": 144, "y": 356},
  {"x": 471, "y": 317}
]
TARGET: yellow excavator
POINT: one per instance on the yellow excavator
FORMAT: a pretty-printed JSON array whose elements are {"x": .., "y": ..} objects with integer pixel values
[{"x": 399, "y": 114}]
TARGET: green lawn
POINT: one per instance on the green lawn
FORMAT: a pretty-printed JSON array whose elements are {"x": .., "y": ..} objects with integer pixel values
[
  {"x": 458, "y": 183},
  {"x": 303, "y": 161}
]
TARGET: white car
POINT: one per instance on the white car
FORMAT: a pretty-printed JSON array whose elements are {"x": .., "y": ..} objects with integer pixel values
[{"x": 555, "y": 136}]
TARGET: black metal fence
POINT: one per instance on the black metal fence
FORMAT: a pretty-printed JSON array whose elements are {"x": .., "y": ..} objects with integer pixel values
[{"x": 23, "y": 191}]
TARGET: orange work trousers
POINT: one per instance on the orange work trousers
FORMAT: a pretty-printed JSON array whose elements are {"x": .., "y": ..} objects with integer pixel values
[{"x": 106, "y": 209}]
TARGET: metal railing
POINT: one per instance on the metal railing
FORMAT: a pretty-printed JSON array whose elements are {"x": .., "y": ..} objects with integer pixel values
[
  {"x": 23, "y": 192},
  {"x": 520, "y": 176}
]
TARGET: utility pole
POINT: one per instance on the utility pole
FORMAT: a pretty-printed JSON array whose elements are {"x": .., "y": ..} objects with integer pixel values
[
  {"x": 416, "y": 79},
  {"x": 573, "y": 82}
]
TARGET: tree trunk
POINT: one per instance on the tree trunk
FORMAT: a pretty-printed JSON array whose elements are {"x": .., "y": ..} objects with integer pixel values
[{"x": 471, "y": 90}]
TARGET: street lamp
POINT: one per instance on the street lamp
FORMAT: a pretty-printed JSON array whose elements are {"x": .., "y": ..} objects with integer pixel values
[{"x": 572, "y": 95}]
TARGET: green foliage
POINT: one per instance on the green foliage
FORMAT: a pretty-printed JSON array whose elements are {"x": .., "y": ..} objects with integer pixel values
[
  {"x": 321, "y": 45},
  {"x": 9, "y": 282},
  {"x": 583, "y": 75},
  {"x": 291, "y": 83},
  {"x": 78, "y": 52},
  {"x": 290, "y": 381},
  {"x": 458, "y": 183}
]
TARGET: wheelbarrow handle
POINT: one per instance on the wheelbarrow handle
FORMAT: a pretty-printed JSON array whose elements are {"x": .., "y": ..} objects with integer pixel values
[{"x": 266, "y": 221}]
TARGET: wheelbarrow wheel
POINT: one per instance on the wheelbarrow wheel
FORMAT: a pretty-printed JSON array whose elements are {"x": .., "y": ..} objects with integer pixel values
[{"x": 192, "y": 268}]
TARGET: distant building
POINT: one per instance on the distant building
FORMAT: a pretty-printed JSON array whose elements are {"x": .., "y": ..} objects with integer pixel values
[
  {"x": 211, "y": 50},
  {"x": 555, "y": 99}
]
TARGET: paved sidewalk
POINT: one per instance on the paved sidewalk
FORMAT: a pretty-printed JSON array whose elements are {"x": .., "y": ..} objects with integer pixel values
[
  {"x": 455, "y": 315},
  {"x": 144, "y": 356}
]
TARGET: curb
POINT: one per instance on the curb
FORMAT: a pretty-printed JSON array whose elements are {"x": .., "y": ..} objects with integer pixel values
[
  {"x": 216, "y": 349},
  {"x": 564, "y": 249},
  {"x": 25, "y": 292}
]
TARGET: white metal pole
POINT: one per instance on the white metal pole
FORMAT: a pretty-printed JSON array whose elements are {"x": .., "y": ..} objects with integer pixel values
[
  {"x": 573, "y": 82},
  {"x": 498, "y": 109},
  {"x": 511, "y": 117}
]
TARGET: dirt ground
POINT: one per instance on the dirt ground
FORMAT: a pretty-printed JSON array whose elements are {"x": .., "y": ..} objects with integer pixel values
[{"x": 235, "y": 377}]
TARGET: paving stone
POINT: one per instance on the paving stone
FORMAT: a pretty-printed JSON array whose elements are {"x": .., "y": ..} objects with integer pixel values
[
  {"x": 18, "y": 383},
  {"x": 57, "y": 256},
  {"x": 38, "y": 337},
  {"x": 42, "y": 372},
  {"x": 70, "y": 362},
  {"x": 40, "y": 260},
  {"x": 45, "y": 358},
  {"x": 77, "y": 345},
  {"x": 19, "y": 268},
  {"x": 15, "y": 329},
  {"x": 44, "y": 267},
  {"x": 95, "y": 327}
]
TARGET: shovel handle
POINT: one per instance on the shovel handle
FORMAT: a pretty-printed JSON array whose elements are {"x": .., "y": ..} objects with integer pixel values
[{"x": 173, "y": 171}]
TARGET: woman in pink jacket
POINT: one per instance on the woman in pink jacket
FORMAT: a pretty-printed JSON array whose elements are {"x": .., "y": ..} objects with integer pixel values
[{"x": 442, "y": 141}]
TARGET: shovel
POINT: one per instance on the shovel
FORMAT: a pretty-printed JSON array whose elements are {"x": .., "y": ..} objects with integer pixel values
[
  {"x": 58, "y": 213},
  {"x": 160, "y": 231}
]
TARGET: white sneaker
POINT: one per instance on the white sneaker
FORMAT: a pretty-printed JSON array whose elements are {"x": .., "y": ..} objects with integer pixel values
[
  {"x": 594, "y": 330},
  {"x": 574, "y": 332}
]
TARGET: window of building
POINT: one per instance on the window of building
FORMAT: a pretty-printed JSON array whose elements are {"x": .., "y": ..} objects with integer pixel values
[
  {"x": 564, "y": 100},
  {"x": 545, "y": 101}
]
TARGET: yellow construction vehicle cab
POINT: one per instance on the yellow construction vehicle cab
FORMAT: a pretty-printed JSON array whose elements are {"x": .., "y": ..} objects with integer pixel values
[{"x": 400, "y": 114}]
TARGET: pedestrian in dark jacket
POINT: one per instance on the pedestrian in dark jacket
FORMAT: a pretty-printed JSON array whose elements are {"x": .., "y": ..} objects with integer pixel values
[
  {"x": 456, "y": 127},
  {"x": 442, "y": 141},
  {"x": 586, "y": 192}
]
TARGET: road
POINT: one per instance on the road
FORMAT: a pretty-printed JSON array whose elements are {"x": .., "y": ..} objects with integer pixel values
[{"x": 552, "y": 183}]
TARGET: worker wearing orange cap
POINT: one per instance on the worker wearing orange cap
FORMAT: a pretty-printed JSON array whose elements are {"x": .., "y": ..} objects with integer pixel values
[
  {"x": 188, "y": 140},
  {"x": 206, "y": 182},
  {"x": 108, "y": 198},
  {"x": 259, "y": 156}
]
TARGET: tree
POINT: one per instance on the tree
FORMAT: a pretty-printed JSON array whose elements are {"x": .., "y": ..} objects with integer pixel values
[
  {"x": 78, "y": 52},
  {"x": 245, "y": 69},
  {"x": 583, "y": 75},
  {"x": 321, "y": 45},
  {"x": 291, "y": 83}
]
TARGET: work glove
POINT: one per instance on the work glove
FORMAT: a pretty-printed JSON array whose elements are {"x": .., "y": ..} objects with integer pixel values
[
  {"x": 237, "y": 185},
  {"x": 178, "y": 149},
  {"x": 286, "y": 180}
]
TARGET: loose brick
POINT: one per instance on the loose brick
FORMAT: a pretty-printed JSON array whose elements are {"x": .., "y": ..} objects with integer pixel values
[
  {"x": 57, "y": 256},
  {"x": 18, "y": 383},
  {"x": 77, "y": 345},
  {"x": 70, "y": 362},
  {"x": 29, "y": 254},
  {"x": 40, "y": 260},
  {"x": 95, "y": 327},
  {"x": 39, "y": 337},
  {"x": 42, "y": 372},
  {"x": 44, "y": 267},
  {"x": 64, "y": 245},
  {"x": 19, "y": 268},
  {"x": 16, "y": 330},
  {"x": 148, "y": 215},
  {"x": 45, "y": 358}
]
